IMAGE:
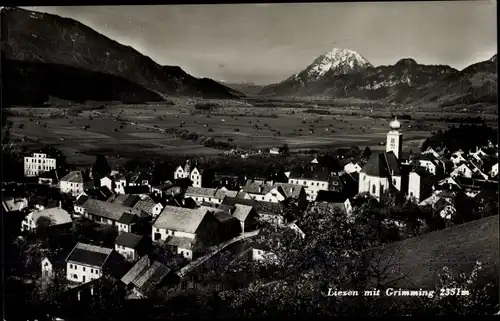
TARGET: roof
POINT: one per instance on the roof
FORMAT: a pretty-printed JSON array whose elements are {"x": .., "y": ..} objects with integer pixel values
[
  {"x": 130, "y": 240},
  {"x": 428, "y": 157},
  {"x": 138, "y": 177},
  {"x": 127, "y": 199},
  {"x": 151, "y": 277},
  {"x": 254, "y": 186},
  {"x": 106, "y": 192},
  {"x": 108, "y": 210},
  {"x": 180, "y": 219},
  {"x": 144, "y": 205},
  {"x": 226, "y": 208},
  {"x": 328, "y": 206},
  {"x": 441, "y": 204},
  {"x": 331, "y": 197},
  {"x": 164, "y": 186},
  {"x": 14, "y": 204},
  {"x": 58, "y": 258},
  {"x": 241, "y": 211},
  {"x": 382, "y": 165},
  {"x": 310, "y": 173},
  {"x": 136, "y": 270},
  {"x": 73, "y": 177},
  {"x": 127, "y": 218},
  {"x": 200, "y": 191},
  {"x": 57, "y": 215},
  {"x": 223, "y": 216},
  {"x": 181, "y": 242},
  {"x": 89, "y": 254},
  {"x": 260, "y": 206},
  {"x": 289, "y": 190},
  {"x": 422, "y": 172},
  {"x": 81, "y": 200},
  {"x": 223, "y": 192}
]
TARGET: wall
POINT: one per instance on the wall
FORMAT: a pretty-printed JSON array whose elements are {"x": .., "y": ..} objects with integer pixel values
[
  {"x": 312, "y": 187},
  {"x": 165, "y": 233},
  {"x": 366, "y": 183},
  {"x": 47, "y": 268},
  {"x": 126, "y": 252},
  {"x": 76, "y": 272},
  {"x": 37, "y": 164},
  {"x": 74, "y": 189}
]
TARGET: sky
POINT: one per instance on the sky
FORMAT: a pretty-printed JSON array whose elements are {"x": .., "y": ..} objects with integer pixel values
[{"x": 267, "y": 43}]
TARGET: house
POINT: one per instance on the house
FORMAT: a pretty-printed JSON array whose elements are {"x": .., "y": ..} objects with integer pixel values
[
  {"x": 229, "y": 226},
  {"x": 494, "y": 171},
  {"x": 140, "y": 179},
  {"x": 185, "y": 229},
  {"x": 119, "y": 183},
  {"x": 478, "y": 155},
  {"x": 13, "y": 204},
  {"x": 38, "y": 163},
  {"x": 130, "y": 245},
  {"x": 267, "y": 211},
  {"x": 260, "y": 251},
  {"x": 420, "y": 184},
  {"x": 53, "y": 264},
  {"x": 201, "y": 194},
  {"x": 352, "y": 167},
  {"x": 274, "y": 151},
  {"x": 145, "y": 276},
  {"x": 160, "y": 190},
  {"x": 231, "y": 182},
  {"x": 449, "y": 184},
  {"x": 137, "y": 189},
  {"x": 334, "y": 200},
  {"x": 193, "y": 173},
  {"x": 429, "y": 163},
  {"x": 48, "y": 178},
  {"x": 313, "y": 178},
  {"x": 55, "y": 215},
  {"x": 86, "y": 262},
  {"x": 457, "y": 158},
  {"x": 133, "y": 222},
  {"x": 247, "y": 216},
  {"x": 380, "y": 173},
  {"x": 128, "y": 200},
  {"x": 269, "y": 191},
  {"x": 445, "y": 208},
  {"x": 75, "y": 183},
  {"x": 431, "y": 151},
  {"x": 150, "y": 207},
  {"x": 78, "y": 208},
  {"x": 463, "y": 170},
  {"x": 108, "y": 213}
]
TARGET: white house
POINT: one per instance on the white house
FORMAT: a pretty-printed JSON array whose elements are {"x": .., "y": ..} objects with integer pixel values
[
  {"x": 53, "y": 264},
  {"x": 494, "y": 170},
  {"x": 449, "y": 183},
  {"x": 313, "y": 179},
  {"x": 333, "y": 200},
  {"x": 457, "y": 158},
  {"x": 274, "y": 151},
  {"x": 78, "y": 206},
  {"x": 149, "y": 206},
  {"x": 85, "y": 262},
  {"x": 463, "y": 171},
  {"x": 420, "y": 184},
  {"x": 12, "y": 204},
  {"x": 431, "y": 151},
  {"x": 179, "y": 225},
  {"x": 56, "y": 215},
  {"x": 37, "y": 164},
  {"x": 128, "y": 245},
  {"x": 269, "y": 191},
  {"x": 74, "y": 183},
  {"x": 352, "y": 167},
  {"x": 427, "y": 162},
  {"x": 478, "y": 155},
  {"x": 193, "y": 173}
]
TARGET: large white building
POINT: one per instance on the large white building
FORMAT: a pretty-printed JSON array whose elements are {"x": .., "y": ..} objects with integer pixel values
[
  {"x": 37, "y": 164},
  {"x": 56, "y": 215},
  {"x": 86, "y": 262},
  {"x": 193, "y": 173},
  {"x": 382, "y": 170},
  {"x": 314, "y": 179}
]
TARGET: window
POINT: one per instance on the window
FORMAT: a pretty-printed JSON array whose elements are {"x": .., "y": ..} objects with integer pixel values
[
  {"x": 91, "y": 270},
  {"x": 394, "y": 182},
  {"x": 304, "y": 182},
  {"x": 373, "y": 189},
  {"x": 182, "y": 252},
  {"x": 411, "y": 193},
  {"x": 393, "y": 140},
  {"x": 75, "y": 276},
  {"x": 83, "y": 269},
  {"x": 173, "y": 233}
]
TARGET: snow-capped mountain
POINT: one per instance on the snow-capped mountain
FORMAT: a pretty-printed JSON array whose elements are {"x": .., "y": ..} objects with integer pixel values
[{"x": 336, "y": 62}]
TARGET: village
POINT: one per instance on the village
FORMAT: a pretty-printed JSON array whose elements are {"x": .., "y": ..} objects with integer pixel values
[{"x": 163, "y": 238}]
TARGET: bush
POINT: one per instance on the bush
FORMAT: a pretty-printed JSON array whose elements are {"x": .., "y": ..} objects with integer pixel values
[{"x": 206, "y": 106}]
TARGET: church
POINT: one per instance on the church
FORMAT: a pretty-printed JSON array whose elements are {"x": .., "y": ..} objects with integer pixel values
[{"x": 383, "y": 170}]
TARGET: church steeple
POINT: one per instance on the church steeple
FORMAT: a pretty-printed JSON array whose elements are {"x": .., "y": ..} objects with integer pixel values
[{"x": 394, "y": 138}]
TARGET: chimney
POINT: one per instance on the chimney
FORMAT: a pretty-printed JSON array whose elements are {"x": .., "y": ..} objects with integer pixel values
[
  {"x": 60, "y": 204},
  {"x": 148, "y": 261}
]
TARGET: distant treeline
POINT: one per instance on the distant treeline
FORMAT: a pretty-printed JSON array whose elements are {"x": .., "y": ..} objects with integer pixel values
[{"x": 465, "y": 137}]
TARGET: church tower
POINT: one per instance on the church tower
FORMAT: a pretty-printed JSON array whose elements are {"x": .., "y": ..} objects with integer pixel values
[{"x": 395, "y": 138}]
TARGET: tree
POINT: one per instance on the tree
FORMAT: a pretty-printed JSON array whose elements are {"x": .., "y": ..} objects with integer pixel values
[
  {"x": 108, "y": 300},
  {"x": 100, "y": 168}
]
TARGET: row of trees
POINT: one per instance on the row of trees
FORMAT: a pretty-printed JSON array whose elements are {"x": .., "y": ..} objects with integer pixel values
[{"x": 465, "y": 137}]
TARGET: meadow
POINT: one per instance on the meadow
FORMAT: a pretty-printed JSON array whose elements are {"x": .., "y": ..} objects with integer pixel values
[{"x": 181, "y": 127}]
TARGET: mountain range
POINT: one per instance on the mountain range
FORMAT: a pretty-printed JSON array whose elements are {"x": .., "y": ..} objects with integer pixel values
[
  {"x": 343, "y": 73},
  {"x": 44, "y": 56}
]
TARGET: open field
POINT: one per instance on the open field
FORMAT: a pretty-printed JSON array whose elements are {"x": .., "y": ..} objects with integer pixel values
[
  {"x": 151, "y": 129},
  {"x": 421, "y": 258}
]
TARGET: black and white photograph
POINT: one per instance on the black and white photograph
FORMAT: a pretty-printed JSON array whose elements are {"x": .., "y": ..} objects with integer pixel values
[{"x": 247, "y": 160}]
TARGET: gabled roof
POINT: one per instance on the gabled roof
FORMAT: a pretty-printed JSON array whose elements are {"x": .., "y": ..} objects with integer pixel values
[
  {"x": 223, "y": 217},
  {"x": 89, "y": 254},
  {"x": 164, "y": 186},
  {"x": 136, "y": 270},
  {"x": 112, "y": 211},
  {"x": 241, "y": 211},
  {"x": 200, "y": 191},
  {"x": 11, "y": 204},
  {"x": 144, "y": 205},
  {"x": 180, "y": 219},
  {"x": 73, "y": 177},
  {"x": 310, "y": 173},
  {"x": 289, "y": 190},
  {"x": 261, "y": 207},
  {"x": 181, "y": 242},
  {"x": 255, "y": 186},
  {"x": 81, "y": 200},
  {"x": 223, "y": 192},
  {"x": 140, "y": 189},
  {"x": 382, "y": 164},
  {"x": 129, "y": 240},
  {"x": 127, "y": 218},
  {"x": 127, "y": 200},
  {"x": 147, "y": 281}
]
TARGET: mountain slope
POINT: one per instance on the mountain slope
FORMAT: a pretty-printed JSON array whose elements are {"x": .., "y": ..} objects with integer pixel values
[
  {"x": 37, "y": 39},
  {"x": 333, "y": 63},
  {"x": 250, "y": 89}
]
